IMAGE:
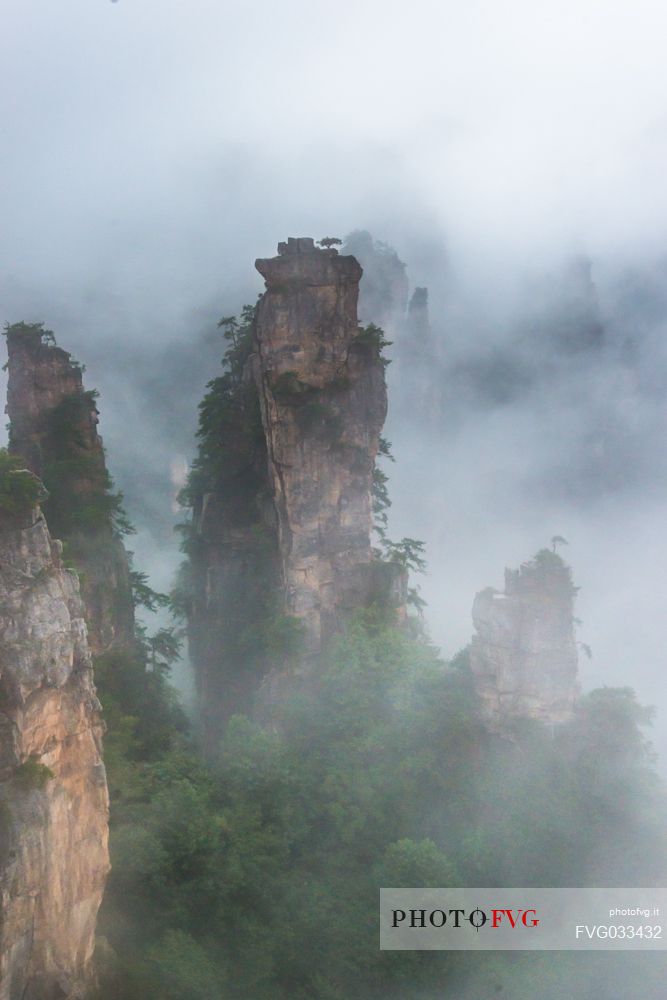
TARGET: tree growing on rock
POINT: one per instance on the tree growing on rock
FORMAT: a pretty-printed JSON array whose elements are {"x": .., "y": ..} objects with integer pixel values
[{"x": 328, "y": 242}]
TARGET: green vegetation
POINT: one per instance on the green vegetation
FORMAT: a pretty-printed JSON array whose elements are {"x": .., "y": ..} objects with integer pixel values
[
  {"x": 79, "y": 502},
  {"x": 5, "y": 821},
  {"x": 255, "y": 876},
  {"x": 548, "y": 563},
  {"x": 547, "y": 559},
  {"x": 288, "y": 386},
  {"x": 37, "y": 335},
  {"x": 82, "y": 501},
  {"x": 20, "y": 490},
  {"x": 72, "y": 511},
  {"x": 380, "y": 497},
  {"x": 6, "y": 830},
  {"x": 373, "y": 338},
  {"x": 37, "y": 331},
  {"x": 329, "y": 241},
  {"x": 248, "y": 631},
  {"x": 32, "y": 775},
  {"x": 230, "y": 427},
  {"x": 321, "y": 419},
  {"x": 144, "y": 595},
  {"x": 408, "y": 552},
  {"x": 258, "y": 876},
  {"x": 143, "y": 716},
  {"x": 311, "y": 413}
]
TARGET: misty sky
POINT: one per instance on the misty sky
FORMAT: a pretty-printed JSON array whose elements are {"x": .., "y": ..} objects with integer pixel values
[
  {"x": 151, "y": 149},
  {"x": 143, "y": 140}
]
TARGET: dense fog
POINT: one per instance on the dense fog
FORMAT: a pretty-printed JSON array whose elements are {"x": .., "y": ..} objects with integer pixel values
[
  {"x": 509, "y": 158},
  {"x": 152, "y": 150}
]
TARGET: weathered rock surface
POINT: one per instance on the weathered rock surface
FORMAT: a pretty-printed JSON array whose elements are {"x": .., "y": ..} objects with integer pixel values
[
  {"x": 53, "y": 823},
  {"x": 323, "y": 400},
  {"x": 53, "y": 427},
  {"x": 524, "y": 654}
]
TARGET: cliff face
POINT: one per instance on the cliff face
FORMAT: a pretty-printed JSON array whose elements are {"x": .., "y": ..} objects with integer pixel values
[
  {"x": 323, "y": 402},
  {"x": 524, "y": 655},
  {"x": 233, "y": 575},
  {"x": 53, "y": 427},
  {"x": 53, "y": 793}
]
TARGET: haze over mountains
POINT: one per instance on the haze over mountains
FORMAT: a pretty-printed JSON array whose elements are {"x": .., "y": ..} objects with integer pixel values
[{"x": 491, "y": 146}]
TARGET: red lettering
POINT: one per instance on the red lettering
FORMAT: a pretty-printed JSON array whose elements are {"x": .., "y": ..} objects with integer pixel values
[{"x": 511, "y": 916}]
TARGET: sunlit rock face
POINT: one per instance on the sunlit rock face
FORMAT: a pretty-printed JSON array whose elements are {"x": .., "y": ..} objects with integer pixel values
[
  {"x": 53, "y": 427},
  {"x": 53, "y": 791},
  {"x": 524, "y": 654},
  {"x": 323, "y": 401}
]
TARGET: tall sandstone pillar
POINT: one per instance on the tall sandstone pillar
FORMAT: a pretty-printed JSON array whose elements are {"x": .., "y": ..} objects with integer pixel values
[
  {"x": 282, "y": 491},
  {"x": 53, "y": 427},
  {"x": 323, "y": 401},
  {"x": 53, "y": 792},
  {"x": 524, "y": 653}
]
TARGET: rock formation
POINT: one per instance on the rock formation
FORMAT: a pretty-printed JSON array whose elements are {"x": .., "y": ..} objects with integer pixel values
[
  {"x": 232, "y": 582},
  {"x": 563, "y": 316},
  {"x": 418, "y": 322},
  {"x": 416, "y": 377},
  {"x": 524, "y": 654},
  {"x": 282, "y": 535},
  {"x": 53, "y": 427},
  {"x": 53, "y": 793},
  {"x": 384, "y": 292},
  {"x": 324, "y": 401}
]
